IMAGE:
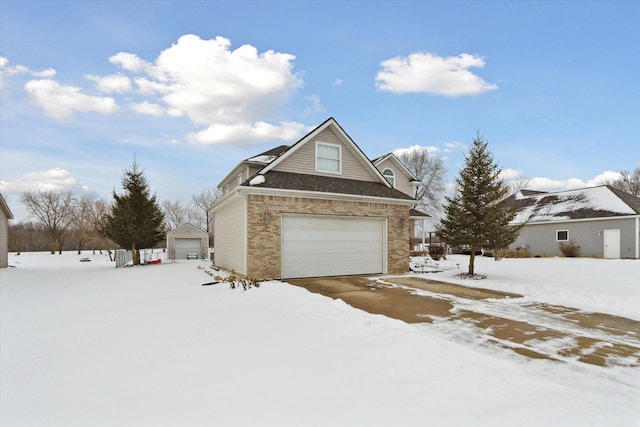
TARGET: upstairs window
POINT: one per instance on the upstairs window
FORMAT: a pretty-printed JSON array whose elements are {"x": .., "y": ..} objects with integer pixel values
[
  {"x": 390, "y": 177},
  {"x": 328, "y": 158},
  {"x": 562, "y": 235}
]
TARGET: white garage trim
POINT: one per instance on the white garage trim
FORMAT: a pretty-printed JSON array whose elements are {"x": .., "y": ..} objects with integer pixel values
[{"x": 331, "y": 245}]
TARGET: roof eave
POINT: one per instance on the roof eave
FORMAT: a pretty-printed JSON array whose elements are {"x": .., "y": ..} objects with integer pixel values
[{"x": 319, "y": 195}]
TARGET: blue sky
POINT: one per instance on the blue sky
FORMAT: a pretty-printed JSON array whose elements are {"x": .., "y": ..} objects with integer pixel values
[{"x": 193, "y": 87}]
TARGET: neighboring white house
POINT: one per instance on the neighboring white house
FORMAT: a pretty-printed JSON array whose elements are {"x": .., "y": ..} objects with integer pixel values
[
  {"x": 187, "y": 242},
  {"x": 5, "y": 216},
  {"x": 603, "y": 221}
]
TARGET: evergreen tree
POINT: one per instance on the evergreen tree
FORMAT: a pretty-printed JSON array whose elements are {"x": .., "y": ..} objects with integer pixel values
[
  {"x": 136, "y": 220},
  {"x": 477, "y": 215}
]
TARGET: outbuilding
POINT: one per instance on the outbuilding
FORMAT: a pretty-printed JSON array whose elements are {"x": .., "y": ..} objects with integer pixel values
[
  {"x": 5, "y": 216},
  {"x": 187, "y": 242}
]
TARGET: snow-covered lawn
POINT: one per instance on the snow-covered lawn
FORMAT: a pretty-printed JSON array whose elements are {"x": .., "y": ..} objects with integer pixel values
[{"x": 85, "y": 344}]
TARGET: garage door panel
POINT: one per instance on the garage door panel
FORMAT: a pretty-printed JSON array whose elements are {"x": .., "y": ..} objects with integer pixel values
[
  {"x": 330, "y": 246},
  {"x": 186, "y": 246}
]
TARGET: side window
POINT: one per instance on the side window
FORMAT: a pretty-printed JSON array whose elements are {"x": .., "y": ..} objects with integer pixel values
[
  {"x": 390, "y": 176},
  {"x": 328, "y": 158},
  {"x": 562, "y": 235}
]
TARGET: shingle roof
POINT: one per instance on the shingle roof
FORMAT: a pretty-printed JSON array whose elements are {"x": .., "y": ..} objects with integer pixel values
[
  {"x": 593, "y": 202},
  {"x": 327, "y": 184},
  {"x": 269, "y": 155},
  {"x": 416, "y": 213}
]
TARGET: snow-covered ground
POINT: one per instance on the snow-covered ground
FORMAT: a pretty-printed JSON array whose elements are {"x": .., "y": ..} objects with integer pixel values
[{"x": 85, "y": 344}]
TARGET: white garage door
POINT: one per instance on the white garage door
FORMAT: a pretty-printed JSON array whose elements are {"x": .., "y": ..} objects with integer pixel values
[
  {"x": 314, "y": 246},
  {"x": 187, "y": 246}
]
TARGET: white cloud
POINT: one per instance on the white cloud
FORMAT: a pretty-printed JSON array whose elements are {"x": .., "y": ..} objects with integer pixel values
[
  {"x": 337, "y": 81},
  {"x": 148, "y": 108},
  {"x": 115, "y": 83},
  {"x": 242, "y": 132},
  {"x": 61, "y": 102},
  {"x": 315, "y": 107},
  {"x": 430, "y": 149},
  {"x": 55, "y": 179},
  {"x": 428, "y": 73},
  {"x": 511, "y": 174},
  {"x": 6, "y": 70},
  {"x": 129, "y": 62},
  {"x": 452, "y": 145},
  {"x": 229, "y": 91},
  {"x": 554, "y": 185}
]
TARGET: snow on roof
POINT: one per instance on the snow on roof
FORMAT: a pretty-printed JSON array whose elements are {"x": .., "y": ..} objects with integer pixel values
[
  {"x": 257, "y": 180},
  {"x": 262, "y": 159},
  {"x": 593, "y": 202}
]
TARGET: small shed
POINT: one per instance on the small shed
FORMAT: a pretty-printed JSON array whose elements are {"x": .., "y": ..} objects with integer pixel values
[
  {"x": 187, "y": 242},
  {"x": 5, "y": 216}
]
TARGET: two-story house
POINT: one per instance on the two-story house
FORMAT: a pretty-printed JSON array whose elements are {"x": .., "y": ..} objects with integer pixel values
[{"x": 317, "y": 208}]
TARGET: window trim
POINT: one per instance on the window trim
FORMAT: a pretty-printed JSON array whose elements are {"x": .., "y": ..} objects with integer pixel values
[
  {"x": 328, "y": 144},
  {"x": 558, "y": 235},
  {"x": 392, "y": 176}
]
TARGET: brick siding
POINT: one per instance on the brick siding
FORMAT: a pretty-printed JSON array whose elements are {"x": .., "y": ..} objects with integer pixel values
[{"x": 264, "y": 237}]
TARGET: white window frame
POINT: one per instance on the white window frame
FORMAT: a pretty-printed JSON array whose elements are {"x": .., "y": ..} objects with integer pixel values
[
  {"x": 562, "y": 240},
  {"x": 326, "y": 144},
  {"x": 392, "y": 176}
]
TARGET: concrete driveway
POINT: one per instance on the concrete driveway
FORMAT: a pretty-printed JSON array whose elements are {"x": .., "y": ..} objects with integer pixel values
[{"x": 494, "y": 318}]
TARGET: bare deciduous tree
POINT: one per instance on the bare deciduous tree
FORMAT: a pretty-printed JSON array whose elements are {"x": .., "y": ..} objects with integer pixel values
[
  {"x": 628, "y": 182},
  {"x": 202, "y": 202},
  {"x": 430, "y": 171},
  {"x": 176, "y": 214},
  {"x": 55, "y": 209},
  {"x": 516, "y": 184},
  {"x": 87, "y": 215}
]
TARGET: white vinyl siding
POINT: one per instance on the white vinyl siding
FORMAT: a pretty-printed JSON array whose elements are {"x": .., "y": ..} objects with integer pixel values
[
  {"x": 326, "y": 245},
  {"x": 401, "y": 181},
  {"x": 187, "y": 236},
  {"x": 303, "y": 160},
  {"x": 230, "y": 236}
]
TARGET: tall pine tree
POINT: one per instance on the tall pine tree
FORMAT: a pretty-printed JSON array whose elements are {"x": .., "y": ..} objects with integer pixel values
[
  {"x": 136, "y": 220},
  {"x": 477, "y": 215}
]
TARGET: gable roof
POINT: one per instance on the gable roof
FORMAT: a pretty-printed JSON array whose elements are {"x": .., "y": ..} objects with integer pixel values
[
  {"x": 268, "y": 156},
  {"x": 594, "y": 202},
  {"x": 5, "y": 207},
  {"x": 398, "y": 163},
  {"x": 186, "y": 225},
  {"x": 346, "y": 139}
]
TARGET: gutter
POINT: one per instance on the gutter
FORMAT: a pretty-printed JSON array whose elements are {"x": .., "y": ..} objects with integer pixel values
[{"x": 321, "y": 195}]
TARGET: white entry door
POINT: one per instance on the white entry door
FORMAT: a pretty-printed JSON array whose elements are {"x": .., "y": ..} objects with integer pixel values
[
  {"x": 612, "y": 243},
  {"x": 317, "y": 245}
]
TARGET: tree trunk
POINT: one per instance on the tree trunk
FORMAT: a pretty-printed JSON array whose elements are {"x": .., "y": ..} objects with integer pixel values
[
  {"x": 135, "y": 254},
  {"x": 472, "y": 259}
]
